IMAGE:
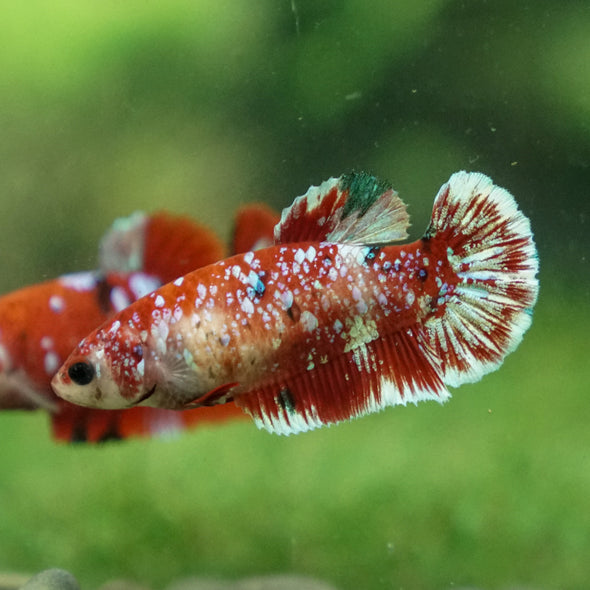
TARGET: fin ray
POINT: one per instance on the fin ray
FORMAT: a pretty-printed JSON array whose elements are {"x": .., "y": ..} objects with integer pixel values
[
  {"x": 491, "y": 250},
  {"x": 355, "y": 208},
  {"x": 392, "y": 370}
]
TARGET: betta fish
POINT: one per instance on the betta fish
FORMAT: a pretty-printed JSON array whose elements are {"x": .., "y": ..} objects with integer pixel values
[
  {"x": 334, "y": 320},
  {"x": 39, "y": 325}
]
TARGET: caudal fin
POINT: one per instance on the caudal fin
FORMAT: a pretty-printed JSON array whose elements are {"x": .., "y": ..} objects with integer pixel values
[{"x": 490, "y": 248}]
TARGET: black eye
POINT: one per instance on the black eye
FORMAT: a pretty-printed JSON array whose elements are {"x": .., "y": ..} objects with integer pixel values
[{"x": 81, "y": 373}]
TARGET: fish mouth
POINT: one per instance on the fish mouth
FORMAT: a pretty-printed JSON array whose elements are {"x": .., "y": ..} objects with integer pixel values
[{"x": 145, "y": 396}]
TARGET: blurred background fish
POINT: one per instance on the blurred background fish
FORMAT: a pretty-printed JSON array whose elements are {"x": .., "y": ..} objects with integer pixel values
[{"x": 39, "y": 325}]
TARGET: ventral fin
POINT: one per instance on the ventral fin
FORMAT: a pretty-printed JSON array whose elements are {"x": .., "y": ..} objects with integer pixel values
[
  {"x": 356, "y": 208},
  {"x": 254, "y": 228},
  {"x": 396, "y": 369},
  {"x": 219, "y": 395},
  {"x": 161, "y": 244}
]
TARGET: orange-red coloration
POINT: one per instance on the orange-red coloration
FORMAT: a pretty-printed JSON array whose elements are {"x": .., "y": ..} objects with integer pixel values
[
  {"x": 41, "y": 324},
  {"x": 333, "y": 321},
  {"x": 254, "y": 228}
]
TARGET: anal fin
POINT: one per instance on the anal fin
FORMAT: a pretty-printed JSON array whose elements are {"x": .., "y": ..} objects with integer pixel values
[{"x": 392, "y": 370}]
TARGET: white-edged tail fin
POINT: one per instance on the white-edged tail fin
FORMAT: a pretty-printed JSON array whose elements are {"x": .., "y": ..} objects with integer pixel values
[
  {"x": 355, "y": 208},
  {"x": 483, "y": 315}
]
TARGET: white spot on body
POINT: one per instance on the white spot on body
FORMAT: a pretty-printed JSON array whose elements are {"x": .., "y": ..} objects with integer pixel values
[
  {"x": 56, "y": 303},
  {"x": 177, "y": 315},
  {"x": 308, "y": 321},
  {"x": 46, "y": 343},
  {"x": 299, "y": 256},
  {"x": 247, "y": 306},
  {"x": 287, "y": 299},
  {"x": 248, "y": 257},
  {"x": 159, "y": 302},
  {"x": 178, "y": 282},
  {"x": 51, "y": 362},
  {"x": 361, "y": 307},
  {"x": 253, "y": 279},
  {"x": 160, "y": 334}
]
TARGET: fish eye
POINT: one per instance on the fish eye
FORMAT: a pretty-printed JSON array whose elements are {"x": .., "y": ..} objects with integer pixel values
[{"x": 81, "y": 373}]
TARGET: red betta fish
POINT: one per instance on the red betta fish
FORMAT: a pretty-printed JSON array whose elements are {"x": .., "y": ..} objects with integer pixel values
[
  {"x": 331, "y": 322},
  {"x": 40, "y": 325}
]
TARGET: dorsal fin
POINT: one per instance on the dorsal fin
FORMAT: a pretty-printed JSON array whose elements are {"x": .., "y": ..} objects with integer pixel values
[
  {"x": 253, "y": 228},
  {"x": 356, "y": 208},
  {"x": 176, "y": 245},
  {"x": 160, "y": 244}
]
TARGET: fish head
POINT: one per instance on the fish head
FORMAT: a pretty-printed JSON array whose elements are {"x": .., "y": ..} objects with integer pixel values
[{"x": 106, "y": 370}]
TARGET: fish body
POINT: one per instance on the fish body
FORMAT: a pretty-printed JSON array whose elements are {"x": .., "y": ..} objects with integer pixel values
[
  {"x": 41, "y": 324},
  {"x": 333, "y": 321}
]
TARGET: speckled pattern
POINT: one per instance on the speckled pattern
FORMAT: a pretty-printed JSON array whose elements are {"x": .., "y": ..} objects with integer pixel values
[{"x": 312, "y": 332}]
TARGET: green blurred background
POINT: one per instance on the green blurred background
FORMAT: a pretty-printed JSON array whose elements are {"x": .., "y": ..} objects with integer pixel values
[{"x": 199, "y": 106}]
